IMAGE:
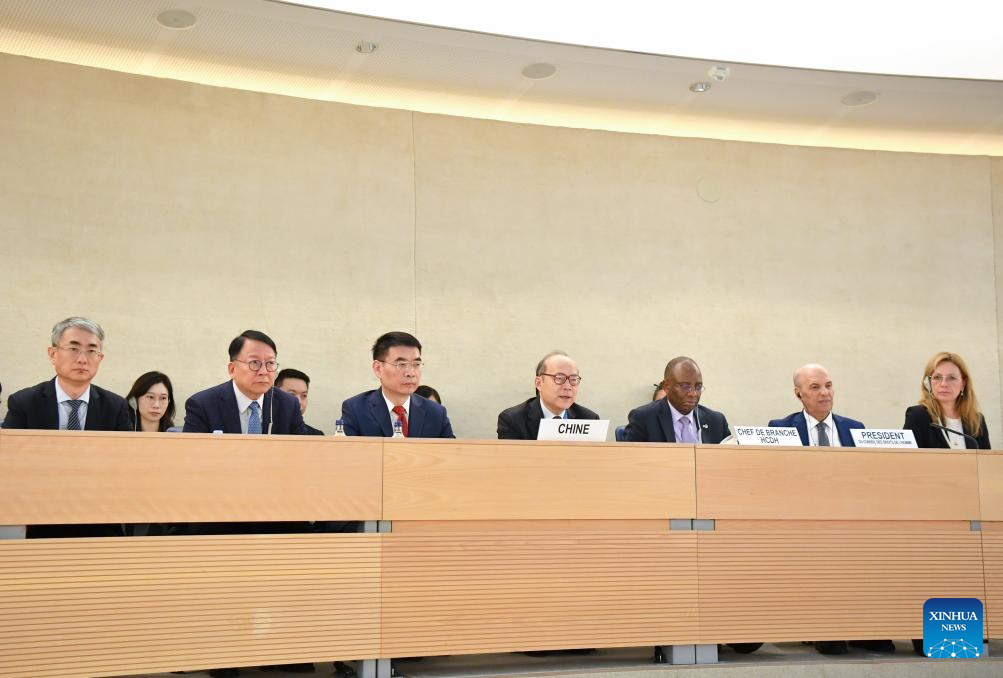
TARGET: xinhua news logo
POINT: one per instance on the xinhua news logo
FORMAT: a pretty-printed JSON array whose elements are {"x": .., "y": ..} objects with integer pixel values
[{"x": 952, "y": 628}]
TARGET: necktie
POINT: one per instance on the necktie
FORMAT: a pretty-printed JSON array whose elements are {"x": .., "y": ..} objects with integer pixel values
[
  {"x": 687, "y": 431},
  {"x": 73, "y": 421},
  {"x": 402, "y": 415},
  {"x": 557, "y": 416},
  {"x": 823, "y": 437},
  {"x": 254, "y": 421}
]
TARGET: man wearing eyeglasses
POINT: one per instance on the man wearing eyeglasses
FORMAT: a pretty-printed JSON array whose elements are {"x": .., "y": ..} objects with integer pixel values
[
  {"x": 397, "y": 364},
  {"x": 557, "y": 382},
  {"x": 678, "y": 417},
  {"x": 247, "y": 403},
  {"x": 70, "y": 402}
]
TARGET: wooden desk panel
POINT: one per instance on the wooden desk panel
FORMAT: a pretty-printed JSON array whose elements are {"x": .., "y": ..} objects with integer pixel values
[
  {"x": 526, "y": 480},
  {"x": 836, "y": 484},
  {"x": 94, "y": 477},
  {"x": 991, "y": 485},
  {"x": 788, "y": 586},
  {"x": 72, "y": 607},
  {"x": 494, "y": 592}
]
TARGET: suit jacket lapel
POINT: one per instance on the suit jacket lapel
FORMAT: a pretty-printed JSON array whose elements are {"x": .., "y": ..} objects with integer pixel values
[
  {"x": 268, "y": 408},
  {"x": 95, "y": 411},
  {"x": 843, "y": 430},
  {"x": 50, "y": 407},
  {"x": 665, "y": 420},
  {"x": 801, "y": 424},
  {"x": 416, "y": 418},
  {"x": 534, "y": 415},
  {"x": 381, "y": 416},
  {"x": 228, "y": 408}
]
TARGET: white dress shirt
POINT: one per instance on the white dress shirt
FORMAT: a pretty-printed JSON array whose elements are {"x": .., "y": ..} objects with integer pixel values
[
  {"x": 244, "y": 407},
  {"x": 830, "y": 430},
  {"x": 65, "y": 408}
]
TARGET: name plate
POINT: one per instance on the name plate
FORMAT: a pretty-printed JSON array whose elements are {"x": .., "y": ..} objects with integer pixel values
[
  {"x": 882, "y": 437},
  {"x": 767, "y": 435},
  {"x": 573, "y": 429}
]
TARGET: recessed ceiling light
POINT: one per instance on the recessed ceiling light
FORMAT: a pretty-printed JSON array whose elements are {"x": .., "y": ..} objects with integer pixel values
[
  {"x": 861, "y": 98},
  {"x": 178, "y": 19},
  {"x": 365, "y": 47},
  {"x": 539, "y": 71},
  {"x": 718, "y": 73},
  {"x": 700, "y": 87}
]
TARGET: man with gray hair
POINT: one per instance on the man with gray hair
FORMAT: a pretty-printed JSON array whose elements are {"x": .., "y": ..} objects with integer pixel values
[{"x": 70, "y": 402}]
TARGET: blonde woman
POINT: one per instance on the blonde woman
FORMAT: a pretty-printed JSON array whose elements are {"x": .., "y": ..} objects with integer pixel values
[{"x": 948, "y": 400}]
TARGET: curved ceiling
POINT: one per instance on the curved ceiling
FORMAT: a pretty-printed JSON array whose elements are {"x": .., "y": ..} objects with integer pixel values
[
  {"x": 894, "y": 37},
  {"x": 288, "y": 49}
]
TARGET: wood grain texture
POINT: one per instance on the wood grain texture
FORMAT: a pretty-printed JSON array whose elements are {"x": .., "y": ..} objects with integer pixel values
[
  {"x": 94, "y": 477},
  {"x": 495, "y": 592},
  {"x": 818, "y": 585},
  {"x": 525, "y": 480},
  {"x": 992, "y": 563},
  {"x": 120, "y": 606},
  {"x": 836, "y": 484},
  {"x": 991, "y": 485}
]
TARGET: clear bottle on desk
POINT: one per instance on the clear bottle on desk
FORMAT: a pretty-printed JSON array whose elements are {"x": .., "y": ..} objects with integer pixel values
[
  {"x": 339, "y": 427},
  {"x": 398, "y": 429}
]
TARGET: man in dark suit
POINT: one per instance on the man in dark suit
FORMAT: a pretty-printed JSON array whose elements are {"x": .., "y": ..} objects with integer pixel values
[
  {"x": 557, "y": 381},
  {"x": 816, "y": 423},
  {"x": 70, "y": 402},
  {"x": 297, "y": 383},
  {"x": 819, "y": 426},
  {"x": 250, "y": 404},
  {"x": 678, "y": 417},
  {"x": 397, "y": 364}
]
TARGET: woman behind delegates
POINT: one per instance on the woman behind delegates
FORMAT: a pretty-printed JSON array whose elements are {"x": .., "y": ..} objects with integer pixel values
[
  {"x": 428, "y": 392},
  {"x": 153, "y": 396},
  {"x": 948, "y": 399}
]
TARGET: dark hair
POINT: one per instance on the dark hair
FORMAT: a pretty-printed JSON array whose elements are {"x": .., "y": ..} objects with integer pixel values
[
  {"x": 144, "y": 384},
  {"x": 290, "y": 373},
  {"x": 428, "y": 392},
  {"x": 254, "y": 335},
  {"x": 391, "y": 339}
]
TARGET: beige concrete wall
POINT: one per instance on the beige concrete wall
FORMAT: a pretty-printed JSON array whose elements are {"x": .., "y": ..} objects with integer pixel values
[{"x": 178, "y": 215}]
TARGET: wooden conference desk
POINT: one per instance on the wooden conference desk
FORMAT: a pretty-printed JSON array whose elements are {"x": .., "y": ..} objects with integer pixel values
[{"x": 495, "y": 546}]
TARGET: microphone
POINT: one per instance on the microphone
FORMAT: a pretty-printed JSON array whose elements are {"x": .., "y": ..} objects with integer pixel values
[
  {"x": 958, "y": 433},
  {"x": 271, "y": 410}
]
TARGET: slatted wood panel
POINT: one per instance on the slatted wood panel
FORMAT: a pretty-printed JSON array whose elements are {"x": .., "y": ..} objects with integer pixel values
[
  {"x": 493, "y": 592},
  {"x": 836, "y": 484},
  {"x": 992, "y": 562},
  {"x": 533, "y": 480},
  {"x": 94, "y": 477},
  {"x": 991, "y": 485},
  {"x": 119, "y": 606},
  {"x": 787, "y": 586}
]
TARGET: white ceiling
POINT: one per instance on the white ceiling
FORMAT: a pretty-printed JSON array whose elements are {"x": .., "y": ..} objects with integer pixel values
[{"x": 281, "y": 48}]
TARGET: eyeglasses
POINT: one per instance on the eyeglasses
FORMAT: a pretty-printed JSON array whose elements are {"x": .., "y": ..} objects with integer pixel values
[
  {"x": 560, "y": 378},
  {"x": 255, "y": 365},
  {"x": 76, "y": 352},
  {"x": 406, "y": 364},
  {"x": 686, "y": 388},
  {"x": 949, "y": 379}
]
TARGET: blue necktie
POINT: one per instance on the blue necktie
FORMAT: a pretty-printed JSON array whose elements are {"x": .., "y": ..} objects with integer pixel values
[
  {"x": 73, "y": 421},
  {"x": 254, "y": 421}
]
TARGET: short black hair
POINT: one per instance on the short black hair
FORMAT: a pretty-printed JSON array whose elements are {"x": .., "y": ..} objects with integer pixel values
[
  {"x": 253, "y": 335},
  {"x": 428, "y": 392},
  {"x": 391, "y": 339},
  {"x": 290, "y": 373}
]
